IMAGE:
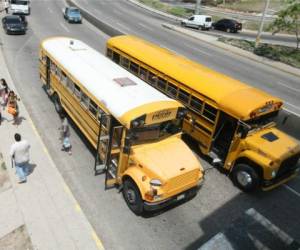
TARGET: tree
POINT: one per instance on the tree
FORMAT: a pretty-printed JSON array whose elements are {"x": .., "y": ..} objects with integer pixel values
[{"x": 288, "y": 19}]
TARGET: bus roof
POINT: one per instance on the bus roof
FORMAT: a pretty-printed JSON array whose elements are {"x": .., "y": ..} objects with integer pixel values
[
  {"x": 124, "y": 95},
  {"x": 225, "y": 91}
]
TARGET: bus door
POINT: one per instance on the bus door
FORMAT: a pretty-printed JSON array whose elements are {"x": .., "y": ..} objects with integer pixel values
[
  {"x": 223, "y": 136},
  {"x": 108, "y": 149}
]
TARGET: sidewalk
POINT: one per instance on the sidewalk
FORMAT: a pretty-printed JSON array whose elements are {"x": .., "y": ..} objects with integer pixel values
[{"x": 42, "y": 212}]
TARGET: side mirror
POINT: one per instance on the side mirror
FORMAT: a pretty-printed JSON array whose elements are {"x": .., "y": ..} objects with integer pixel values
[
  {"x": 127, "y": 144},
  {"x": 244, "y": 132}
]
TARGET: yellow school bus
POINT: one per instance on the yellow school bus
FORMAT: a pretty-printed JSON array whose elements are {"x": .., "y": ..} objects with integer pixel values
[
  {"x": 232, "y": 122},
  {"x": 135, "y": 129}
]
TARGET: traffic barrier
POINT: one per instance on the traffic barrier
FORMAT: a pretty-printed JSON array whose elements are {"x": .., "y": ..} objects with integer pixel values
[{"x": 96, "y": 22}]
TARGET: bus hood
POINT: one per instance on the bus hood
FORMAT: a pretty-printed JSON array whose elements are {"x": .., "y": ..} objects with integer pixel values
[
  {"x": 272, "y": 143},
  {"x": 167, "y": 159}
]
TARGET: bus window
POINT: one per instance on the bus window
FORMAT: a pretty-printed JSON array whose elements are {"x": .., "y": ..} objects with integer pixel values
[
  {"x": 210, "y": 112},
  {"x": 125, "y": 62},
  {"x": 63, "y": 78},
  {"x": 183, "y": 96},
  {"x": 53, "y": 68},
  {"x": 93, "y": 108},
  {"x": 58, "y": 73},
  {"x": 134, "y": 68},
  {"x": 109, "y": 53},
  {"x": 196, "y": 104},
  {"x": 70, "y": 86},
  {"x": 161, "y": 84},
  {"x": 77, "y": 92},
  {"x": 85, "y": 100},
  {"x": 116, "y": 57},
  {"x": 143, "y": 73},
  {"x": 172, "y": 90},
  {"x": 152, "y": 78}
]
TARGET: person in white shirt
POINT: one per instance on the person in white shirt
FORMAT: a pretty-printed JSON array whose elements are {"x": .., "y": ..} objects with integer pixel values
[{"x": 19, "y": 152}]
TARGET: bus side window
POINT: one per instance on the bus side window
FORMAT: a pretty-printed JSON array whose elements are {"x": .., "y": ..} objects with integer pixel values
[
  {"x": 109, "y": 53},
  {"x": 70, "y": 86},
  {"x": 116, "y": 57},
  {"x": 152, "y": 78},
  {"x": 210, "y": 112},
  {"x": 183, "y": 96},
  {"x": 161, "y": 84},
  {"x": 53, "y": 67},
  {"x": 134, "y": 68},
  {"x": 196, "y": 104},
  {"x": 58, "y": 73},
  {"x": 101, "y": 112},
  {"x": 125, "y": 62},
  {"x": 63, "y": 78},
  {"x": 172, "y": 90},
  {"x": 77, "y": 92},
  {"x": 93, "y": 108},
  {"x": 85, "y": 100},
  {"x": 143, "y": 73}
]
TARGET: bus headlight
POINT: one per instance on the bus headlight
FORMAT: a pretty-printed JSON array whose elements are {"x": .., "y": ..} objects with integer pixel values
[
  {"x": 155, "y": 183},
  {"x": 273, "y": 174}
]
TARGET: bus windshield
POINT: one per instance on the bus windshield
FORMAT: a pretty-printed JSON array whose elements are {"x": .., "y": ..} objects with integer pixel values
[
  {"x": 262, "y": 121},
  {"x": 155, "y": 131}
]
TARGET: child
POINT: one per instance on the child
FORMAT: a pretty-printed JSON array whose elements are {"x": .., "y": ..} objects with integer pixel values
[{"x": 66, "y": 146}]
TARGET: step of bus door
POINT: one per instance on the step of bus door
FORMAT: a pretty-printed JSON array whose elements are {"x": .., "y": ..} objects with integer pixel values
[
  {"x": 100, "y": 168},
  {"x": 104, "y": 138},
  {"x": 215, "y": 158}
]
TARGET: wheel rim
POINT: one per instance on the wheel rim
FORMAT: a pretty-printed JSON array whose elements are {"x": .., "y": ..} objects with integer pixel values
[
  {"x": 244, "y": 178},
  {"x": 228, "y": 30},
  {"x": 131, "y": 196}
]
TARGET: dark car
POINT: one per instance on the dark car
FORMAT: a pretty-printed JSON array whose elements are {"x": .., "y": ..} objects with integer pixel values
[
  {"x": 13, "y": 25},
  {"x": 72, "y": 15},
  {"x": 228, "y": 25}
]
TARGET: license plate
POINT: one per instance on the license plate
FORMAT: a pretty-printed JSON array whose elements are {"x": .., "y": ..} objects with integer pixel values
[{"x": 180, "y": 197}]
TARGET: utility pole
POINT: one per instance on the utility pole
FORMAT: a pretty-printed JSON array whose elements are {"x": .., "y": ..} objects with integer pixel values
[
  {"x": 257, "y": 40},
  {"x": 198, "y": 7}
]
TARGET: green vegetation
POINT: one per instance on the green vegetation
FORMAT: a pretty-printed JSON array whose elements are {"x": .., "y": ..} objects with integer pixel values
[{"x": 284, "y": 54}]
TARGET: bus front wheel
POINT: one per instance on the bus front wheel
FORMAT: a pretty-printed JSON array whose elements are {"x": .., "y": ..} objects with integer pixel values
[
  {"x": 133, "y": 197},
  {"x": 245, "y": 177},
  {"x": 57, "y": 104}
]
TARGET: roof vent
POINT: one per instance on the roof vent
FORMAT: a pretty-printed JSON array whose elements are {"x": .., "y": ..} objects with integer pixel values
[
  {"x": 124, "y": 81},
  {"x": 76, "y": 46}
]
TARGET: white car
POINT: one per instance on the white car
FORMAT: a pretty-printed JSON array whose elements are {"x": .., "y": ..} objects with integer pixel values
[
  {"x": 198, "y": 21},
  {"x": 20, "y": 7}
]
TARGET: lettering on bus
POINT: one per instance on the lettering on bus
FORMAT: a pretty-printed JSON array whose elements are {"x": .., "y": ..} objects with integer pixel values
[{"x": 161, "y": 115}]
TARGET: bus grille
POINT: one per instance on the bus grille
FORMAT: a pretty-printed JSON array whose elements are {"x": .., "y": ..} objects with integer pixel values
[
  {"x": 183, "y": 180},
  {"x": 288, "y": 165}
]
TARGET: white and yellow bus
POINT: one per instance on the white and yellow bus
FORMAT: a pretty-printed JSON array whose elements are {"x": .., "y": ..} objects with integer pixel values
[
  {"x": 232, "y": 121},
  {"x": 135, "y": 129}
]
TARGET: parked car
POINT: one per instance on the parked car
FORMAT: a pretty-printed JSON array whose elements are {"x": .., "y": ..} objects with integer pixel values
[
  {"x": 198, "y": 21},
  {"x": 228, "y": 25},
  {"x": 13, "y": 25},
  {"x": 72, "y": 15},
  {"x": 19, "y": 7}
]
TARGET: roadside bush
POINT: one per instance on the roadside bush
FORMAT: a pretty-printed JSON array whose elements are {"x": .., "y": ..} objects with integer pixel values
[{"x": 178, "y": 11}]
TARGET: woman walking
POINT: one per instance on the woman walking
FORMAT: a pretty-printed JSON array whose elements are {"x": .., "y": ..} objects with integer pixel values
[{"x": 12, "y": 105}]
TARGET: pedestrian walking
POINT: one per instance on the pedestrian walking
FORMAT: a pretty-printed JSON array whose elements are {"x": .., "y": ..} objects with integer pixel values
[
  {"x": 19, "y": 153},
  {"x": 4, "y": 92},
  {"x": 12, "y": 105},
  {"x": 65, "y": 134},
  {"x": 6, "y": 6}
]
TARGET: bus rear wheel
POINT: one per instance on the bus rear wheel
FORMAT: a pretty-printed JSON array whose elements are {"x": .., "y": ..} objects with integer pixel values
[
  {"x": 57, "y": 104},
  {"x": 245, "y": 177},
  {"x": 133, "y": 197}
]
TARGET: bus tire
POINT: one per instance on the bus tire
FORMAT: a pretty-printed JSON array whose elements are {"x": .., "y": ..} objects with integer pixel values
[
  {"x": 245, "y": 177},
  {"x": 57, "y": 104},
  {"x": 132, "y": 196}
]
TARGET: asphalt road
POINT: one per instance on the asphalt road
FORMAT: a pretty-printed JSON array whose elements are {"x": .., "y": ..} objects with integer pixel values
[{"x": 187, "y": 226}]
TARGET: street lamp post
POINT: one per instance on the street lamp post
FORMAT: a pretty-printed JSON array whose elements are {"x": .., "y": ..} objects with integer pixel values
[
  {"x": 257, "y": 40},
  {"x": 198, "y": 6}
]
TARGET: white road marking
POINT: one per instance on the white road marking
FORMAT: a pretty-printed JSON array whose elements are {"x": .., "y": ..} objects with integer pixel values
[
  {"x": 123, "y": 27},
  {"x": 294, "y": 113},
  {"x": 64, "y": 26},
  {"x": 202, "y": 52},
  {"x": 292, "y": 190},
  {"x": 292, "y": 105},
  {"x": 145, "y": 26},
  {"x": 289, "y": 87}
]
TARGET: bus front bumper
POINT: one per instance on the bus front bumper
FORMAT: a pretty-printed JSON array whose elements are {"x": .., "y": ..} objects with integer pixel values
[
  {"x": 270, "y": 184},
  {"x": 153, "y": 206}
]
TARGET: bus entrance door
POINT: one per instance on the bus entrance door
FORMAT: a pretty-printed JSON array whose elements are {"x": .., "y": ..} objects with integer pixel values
[{"x": 108, "y": 150}]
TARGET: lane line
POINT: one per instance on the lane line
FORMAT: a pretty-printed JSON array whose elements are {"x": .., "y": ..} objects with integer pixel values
[
  {"x": 64, "y": 26},
  {"x": 289, "y": 87},
  {"x": 294, "y": 113},
  {"x": 202, "y": 52},
  {"x": 292, "y": 105},
  {"x": 145, "y": 26},
  {"x": 97, "y": 240},
  {"x": 292, "y": 190}
]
